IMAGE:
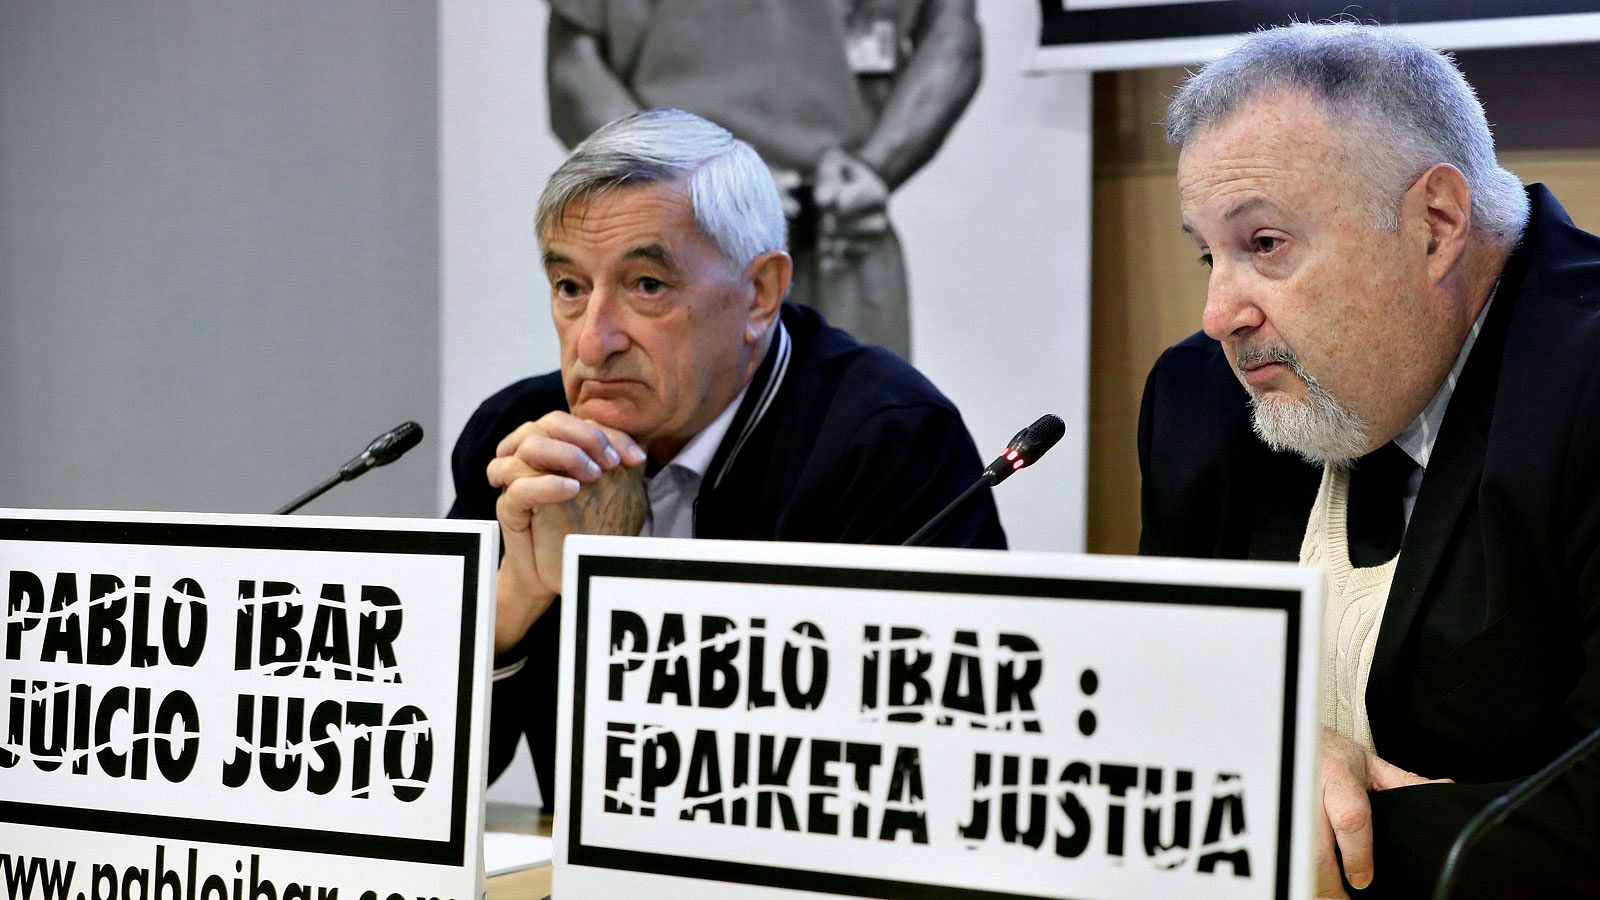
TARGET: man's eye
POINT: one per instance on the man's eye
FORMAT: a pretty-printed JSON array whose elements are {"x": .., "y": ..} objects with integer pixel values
[
  {"x": 648, "y": 285},
  {"x": 1205, "y": 260},
  {"x": 1266, "y": 243},
  {"x": 567, "y": 288}
]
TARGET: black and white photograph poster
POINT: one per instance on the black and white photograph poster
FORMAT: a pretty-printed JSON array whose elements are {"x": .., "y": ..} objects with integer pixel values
[{"x": 937, "y": 188}]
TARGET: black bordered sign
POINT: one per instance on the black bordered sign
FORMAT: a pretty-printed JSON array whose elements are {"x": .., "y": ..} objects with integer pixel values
[
  {"x": 175, "y": 540},
  {"x": 1072, "y": 30},
  {"x": 603, "y": 585}
]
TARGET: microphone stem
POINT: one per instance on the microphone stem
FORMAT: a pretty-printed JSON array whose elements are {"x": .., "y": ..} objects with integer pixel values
[
  {"x": 1503, "y": 806},
  {"x": 924, "y": 531},
  {"x": 309, "y": 496}
]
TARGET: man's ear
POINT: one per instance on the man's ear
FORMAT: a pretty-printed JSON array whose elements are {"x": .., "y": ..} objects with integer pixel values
[
  {"x": 769, "y": 274},
  {"x": 1446, "y": 203}
]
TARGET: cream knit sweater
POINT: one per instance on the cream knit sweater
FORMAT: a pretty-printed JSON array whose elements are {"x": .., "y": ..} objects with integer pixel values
[{"x": 1353, "y": 610}]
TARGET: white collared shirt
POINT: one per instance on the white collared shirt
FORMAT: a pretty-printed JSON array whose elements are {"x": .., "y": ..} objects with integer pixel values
[
  {"x": 671, "y": 492},
  {"x": 1423, "y": 432}
]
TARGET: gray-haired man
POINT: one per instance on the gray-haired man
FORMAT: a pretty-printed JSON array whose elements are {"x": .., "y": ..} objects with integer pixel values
[
  {"x": 691, "y": 400},
  {"x": 1388, "y": 303}
]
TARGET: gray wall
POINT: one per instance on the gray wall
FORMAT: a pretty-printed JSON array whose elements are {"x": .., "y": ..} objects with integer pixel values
[{"x": 218, "y": 251}]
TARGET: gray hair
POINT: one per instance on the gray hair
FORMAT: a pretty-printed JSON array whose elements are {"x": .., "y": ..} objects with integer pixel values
[
  {"x": 731, "y": 191},
  {"x": 1405, "y": 106}
]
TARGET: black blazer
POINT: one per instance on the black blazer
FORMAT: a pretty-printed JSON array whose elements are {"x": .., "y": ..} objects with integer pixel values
[
  {"x": 835, "y": 442},
  {"x": 1488, "y": 658}
]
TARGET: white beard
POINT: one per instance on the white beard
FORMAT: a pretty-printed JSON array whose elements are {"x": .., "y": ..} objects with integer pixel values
[{"x": 1318, "y": 427}]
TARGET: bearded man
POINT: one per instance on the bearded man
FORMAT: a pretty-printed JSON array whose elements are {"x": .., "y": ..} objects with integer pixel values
[{"x": 1390, "y": 305}]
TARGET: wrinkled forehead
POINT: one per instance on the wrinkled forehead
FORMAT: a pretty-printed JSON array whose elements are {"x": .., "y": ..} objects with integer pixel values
[
  {"x": 1282, "y": 139},
  {"x": 1267, "y": 121},
  {"x": 574, "y": 211}
]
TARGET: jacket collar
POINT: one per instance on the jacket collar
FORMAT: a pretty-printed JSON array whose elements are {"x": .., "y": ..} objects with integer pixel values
[{"x": 758, "y": 397}]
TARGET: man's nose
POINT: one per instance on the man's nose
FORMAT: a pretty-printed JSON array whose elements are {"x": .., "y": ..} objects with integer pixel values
[
  {"x": 1230, "y": 306},
  {"x": 602, "y": 335}
]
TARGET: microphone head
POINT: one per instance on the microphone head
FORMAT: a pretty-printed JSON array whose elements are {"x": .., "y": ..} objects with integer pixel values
[
  {"x": 1027, "y": 446},
  {"x": 389, "y": 446},
  {"x": 1032, "y": 442},
  {"x": 384, "y": 449}
]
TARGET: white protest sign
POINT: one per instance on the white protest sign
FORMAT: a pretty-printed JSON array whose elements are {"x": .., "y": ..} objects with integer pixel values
[
  {"x": 230, "y": 707},
  {"x": 756, "y": 720}
]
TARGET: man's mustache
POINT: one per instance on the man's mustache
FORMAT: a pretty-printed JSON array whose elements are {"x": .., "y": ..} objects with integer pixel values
[
  {"x": 1276, "y": 353},
  {"x": 1272, "y": 353}
]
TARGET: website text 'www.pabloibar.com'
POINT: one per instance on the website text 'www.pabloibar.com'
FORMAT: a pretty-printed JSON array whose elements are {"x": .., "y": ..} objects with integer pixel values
[{"x": 176, "y": 876}]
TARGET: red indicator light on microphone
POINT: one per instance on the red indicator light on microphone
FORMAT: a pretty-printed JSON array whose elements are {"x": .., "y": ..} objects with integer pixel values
[
  {"x": 1018, "y": 464},
  {"x": 1011, "y": 454}
]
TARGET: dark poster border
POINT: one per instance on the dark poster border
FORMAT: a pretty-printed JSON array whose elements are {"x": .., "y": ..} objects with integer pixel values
[
  {"x": 1083, "y": 28},
  {"x": 1025, "y": 587},
  {"x": 451, "y": 851}
]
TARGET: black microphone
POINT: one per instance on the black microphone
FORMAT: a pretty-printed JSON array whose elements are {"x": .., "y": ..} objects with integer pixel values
[
  {"x": 1026, "y": 447},
  {"x": 1024, "y": 450},
  {"x": 384, "y": 449},
  {"x": 1504, "y": 805}
]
